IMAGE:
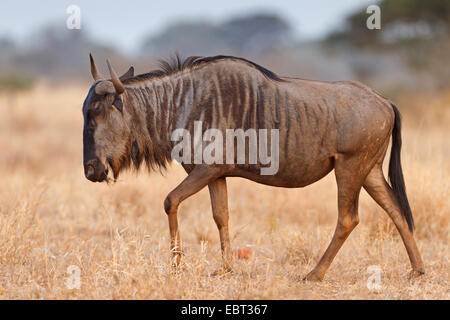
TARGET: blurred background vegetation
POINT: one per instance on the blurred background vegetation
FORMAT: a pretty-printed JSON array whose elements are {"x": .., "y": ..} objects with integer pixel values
[{"x": 410, "y": 52}]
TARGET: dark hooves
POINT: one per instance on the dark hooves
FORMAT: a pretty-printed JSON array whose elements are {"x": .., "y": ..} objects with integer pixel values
[{"x": 416, "y": 273}]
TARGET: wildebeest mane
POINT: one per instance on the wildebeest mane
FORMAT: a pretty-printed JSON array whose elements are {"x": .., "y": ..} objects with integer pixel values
[{"x": 176, "y": 63}]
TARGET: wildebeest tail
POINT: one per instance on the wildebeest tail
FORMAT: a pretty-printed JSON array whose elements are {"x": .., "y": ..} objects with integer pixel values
[{"x": 395, "y": 170}]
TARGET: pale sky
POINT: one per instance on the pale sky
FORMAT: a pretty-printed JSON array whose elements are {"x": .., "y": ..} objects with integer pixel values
[{"x": 125, "y": 24}]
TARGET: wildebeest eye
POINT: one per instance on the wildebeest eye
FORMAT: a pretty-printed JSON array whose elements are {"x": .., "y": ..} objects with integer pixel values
[{"x": 95, "y": 109}]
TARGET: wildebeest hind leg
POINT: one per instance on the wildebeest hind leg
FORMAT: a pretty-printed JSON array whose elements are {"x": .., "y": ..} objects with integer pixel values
[
  {"x": 381, "y": 192},
  {"x": 350, "y": 175}
]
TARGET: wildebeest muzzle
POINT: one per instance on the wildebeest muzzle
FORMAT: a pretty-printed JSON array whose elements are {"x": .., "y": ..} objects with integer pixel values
[{"x": 95, "y": 171}]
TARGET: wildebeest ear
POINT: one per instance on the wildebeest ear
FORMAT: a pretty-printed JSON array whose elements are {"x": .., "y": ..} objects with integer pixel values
[
  {"x": 118, "y": 103},
  {"x": 128, "y": 74}
]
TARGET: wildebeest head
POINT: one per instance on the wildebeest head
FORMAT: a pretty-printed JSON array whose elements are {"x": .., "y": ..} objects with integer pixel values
[{"x": 105, "y": 132}]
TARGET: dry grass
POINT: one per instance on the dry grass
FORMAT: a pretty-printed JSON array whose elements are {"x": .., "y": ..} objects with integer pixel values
[{"x": 51, "y": 217}]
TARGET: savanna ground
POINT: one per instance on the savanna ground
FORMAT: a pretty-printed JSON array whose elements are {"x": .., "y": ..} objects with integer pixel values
[{"x": 51, "y": 217}]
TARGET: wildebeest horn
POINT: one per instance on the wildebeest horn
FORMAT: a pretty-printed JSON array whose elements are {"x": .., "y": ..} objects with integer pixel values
[
  {"x": 115, "y": 79},
  {"x": 95, "y": 74}
]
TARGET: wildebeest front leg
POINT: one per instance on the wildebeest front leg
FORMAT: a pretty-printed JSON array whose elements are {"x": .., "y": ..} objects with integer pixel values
[
  {"x": 197, "y": 179},
  {"x": 219, "y": 203}
]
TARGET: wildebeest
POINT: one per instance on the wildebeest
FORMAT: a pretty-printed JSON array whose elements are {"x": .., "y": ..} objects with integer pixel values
[{"x": 344, "y": 126}]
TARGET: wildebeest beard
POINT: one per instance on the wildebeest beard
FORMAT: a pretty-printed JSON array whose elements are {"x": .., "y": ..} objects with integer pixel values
[{"x": 133, "y": 158}]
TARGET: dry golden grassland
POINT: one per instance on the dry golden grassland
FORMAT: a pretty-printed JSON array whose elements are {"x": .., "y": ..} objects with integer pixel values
[{"x": 51, "y": 218}]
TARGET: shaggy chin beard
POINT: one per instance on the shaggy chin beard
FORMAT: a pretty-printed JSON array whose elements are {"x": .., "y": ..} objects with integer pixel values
[
  {"x": 109, "y": 179},
  {"x": 115, "y": 168}
]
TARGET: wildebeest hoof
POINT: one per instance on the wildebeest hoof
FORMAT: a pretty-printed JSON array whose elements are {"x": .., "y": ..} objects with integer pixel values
[
  {"x": 416, "y": 273},
  {"x": 313, "y": 277}
]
